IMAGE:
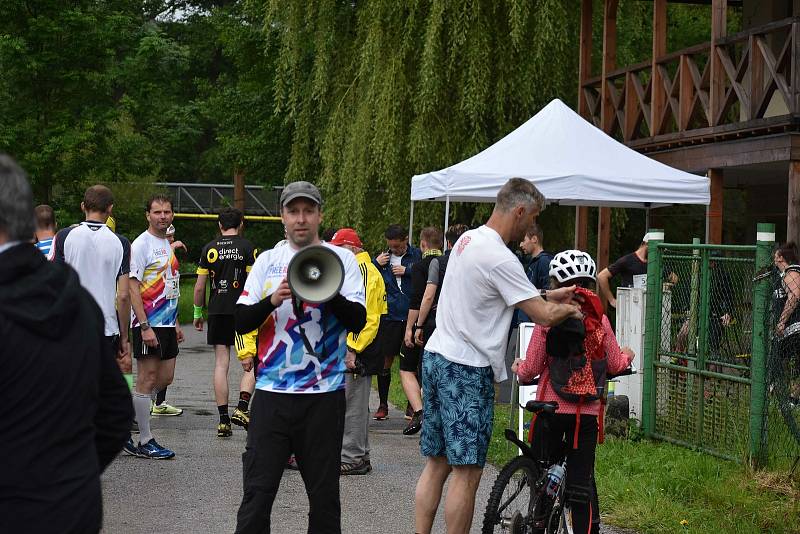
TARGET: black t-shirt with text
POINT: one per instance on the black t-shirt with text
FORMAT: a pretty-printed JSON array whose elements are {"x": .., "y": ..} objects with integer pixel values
[
  {"x": 627, "y": 267},
  {"x": 226, "y": 261}
]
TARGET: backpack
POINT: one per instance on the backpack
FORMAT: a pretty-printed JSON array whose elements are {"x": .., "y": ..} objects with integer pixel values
[{"x": 578, "y": 365}]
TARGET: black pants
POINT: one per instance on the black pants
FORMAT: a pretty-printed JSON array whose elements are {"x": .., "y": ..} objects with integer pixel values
[
  {"x": 309, "y": 425},
  {"x": 552, "y": 435}
]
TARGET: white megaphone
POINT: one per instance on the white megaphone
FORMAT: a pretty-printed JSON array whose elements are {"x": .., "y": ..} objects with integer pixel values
[{"x": 315, "y": 274}]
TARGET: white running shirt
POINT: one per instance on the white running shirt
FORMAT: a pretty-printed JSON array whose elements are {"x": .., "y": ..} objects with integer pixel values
[{"x": 100, "y": 257}]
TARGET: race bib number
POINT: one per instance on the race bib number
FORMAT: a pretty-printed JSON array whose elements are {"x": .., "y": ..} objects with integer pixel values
[{"x": 172, "y": 289}]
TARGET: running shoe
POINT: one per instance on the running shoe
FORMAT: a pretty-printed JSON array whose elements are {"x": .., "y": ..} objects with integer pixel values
[
  {"x": 415, "y": 425},
  {"x": 154, "y": 451},
  {"x": 382, "y": 413},
  {"x": 362, "y": 467},
  {"x": 165, "y": 409},
  {"x": 224, "y": 430},
  {"x": 241, "y": 418},
  {"x": 130, "y": 448}
]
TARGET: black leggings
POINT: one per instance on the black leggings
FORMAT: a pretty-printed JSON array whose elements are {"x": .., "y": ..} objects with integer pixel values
[
  {"x": 311, "y": 425},
  {"x": 551, "y": 435}
]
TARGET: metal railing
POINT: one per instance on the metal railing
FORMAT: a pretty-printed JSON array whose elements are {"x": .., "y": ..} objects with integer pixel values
[{"x": 210, "y": 198}]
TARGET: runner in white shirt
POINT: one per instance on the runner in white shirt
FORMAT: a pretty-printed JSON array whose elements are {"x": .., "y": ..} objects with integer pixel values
[
  {"x": 154, "y": 289},
  {"x": 484, "y": 283},
  {"x": 102, "y": 260}
]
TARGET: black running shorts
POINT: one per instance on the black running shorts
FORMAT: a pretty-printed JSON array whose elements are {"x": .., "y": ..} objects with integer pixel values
[
  {"x": 390, "y": 334},
  {"x": 221, "y": 330},
  {"x": 167, "y": 348}
]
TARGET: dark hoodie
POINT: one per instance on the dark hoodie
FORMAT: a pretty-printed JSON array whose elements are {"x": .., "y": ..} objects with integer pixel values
[{"x": 66, "y": 407}]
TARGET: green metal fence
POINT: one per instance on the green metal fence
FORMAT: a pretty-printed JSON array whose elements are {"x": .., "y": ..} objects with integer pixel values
[{"x": 708, "y": 381}]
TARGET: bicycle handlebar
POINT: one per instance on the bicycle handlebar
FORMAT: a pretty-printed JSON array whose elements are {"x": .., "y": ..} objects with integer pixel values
[{"x": 625, "y": 372}]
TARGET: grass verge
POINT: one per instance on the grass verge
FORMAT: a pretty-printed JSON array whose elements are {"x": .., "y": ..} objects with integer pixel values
[{"x": 655, "y": 487}]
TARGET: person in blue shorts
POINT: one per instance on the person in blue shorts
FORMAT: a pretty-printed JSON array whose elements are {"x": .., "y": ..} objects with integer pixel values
[{"x": 466, "y": 352}]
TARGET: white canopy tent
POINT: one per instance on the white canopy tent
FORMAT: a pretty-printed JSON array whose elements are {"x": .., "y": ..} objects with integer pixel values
[{"x": 570, "y": 161}]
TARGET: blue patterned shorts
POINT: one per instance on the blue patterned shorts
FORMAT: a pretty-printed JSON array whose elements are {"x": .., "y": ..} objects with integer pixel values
[{"x": 458, "y": 409}]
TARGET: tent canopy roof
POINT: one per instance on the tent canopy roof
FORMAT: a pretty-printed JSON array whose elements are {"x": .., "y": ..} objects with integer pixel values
[{"x": 571, "y": 162}]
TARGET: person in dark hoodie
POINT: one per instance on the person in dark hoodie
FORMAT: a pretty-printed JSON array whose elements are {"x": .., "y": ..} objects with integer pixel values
[{"x": 66, "y": 407}]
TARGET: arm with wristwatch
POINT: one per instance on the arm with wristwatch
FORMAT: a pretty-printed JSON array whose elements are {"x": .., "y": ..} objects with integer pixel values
[{"x": 148, "y": 336}]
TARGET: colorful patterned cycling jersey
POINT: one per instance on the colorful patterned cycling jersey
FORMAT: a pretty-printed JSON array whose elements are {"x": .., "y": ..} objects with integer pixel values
[
  {"x": 154, "y": 264},
  {"x": 284, "y": 363}
]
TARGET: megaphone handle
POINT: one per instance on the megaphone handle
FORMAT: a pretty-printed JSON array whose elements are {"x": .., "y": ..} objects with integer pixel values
[{"x": 297, "y": 305}]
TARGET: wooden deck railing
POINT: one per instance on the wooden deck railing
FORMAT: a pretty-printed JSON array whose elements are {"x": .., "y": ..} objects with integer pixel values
[{"x": 759, "y": 77}]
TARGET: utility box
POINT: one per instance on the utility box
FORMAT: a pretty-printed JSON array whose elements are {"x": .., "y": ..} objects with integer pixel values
[{"x": 631, "y": 311}]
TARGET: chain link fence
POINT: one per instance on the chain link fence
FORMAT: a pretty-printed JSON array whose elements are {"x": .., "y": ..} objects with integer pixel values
[
  {"x": 722, "y": 350},
  {"x": 702, "y": 367}
]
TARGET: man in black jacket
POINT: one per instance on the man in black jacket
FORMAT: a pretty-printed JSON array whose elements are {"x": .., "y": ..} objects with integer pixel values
[{"x": 66, "y": 408}]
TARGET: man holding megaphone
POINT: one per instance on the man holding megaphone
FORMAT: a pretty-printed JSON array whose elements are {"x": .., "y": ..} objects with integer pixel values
[{"x": 303, "y": 298}]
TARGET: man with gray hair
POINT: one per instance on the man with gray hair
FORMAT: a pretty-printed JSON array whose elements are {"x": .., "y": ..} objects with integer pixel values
[
  {"x": 484, "y": 283},
  {"x": 77, "y": 412}
]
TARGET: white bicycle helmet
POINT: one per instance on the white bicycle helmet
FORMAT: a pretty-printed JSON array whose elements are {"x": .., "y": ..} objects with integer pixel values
[{"x": 572, "y": 264}]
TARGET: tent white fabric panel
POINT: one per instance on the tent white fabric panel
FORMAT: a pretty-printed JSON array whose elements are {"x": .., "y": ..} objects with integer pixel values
[{"x": 571, "y": 162}]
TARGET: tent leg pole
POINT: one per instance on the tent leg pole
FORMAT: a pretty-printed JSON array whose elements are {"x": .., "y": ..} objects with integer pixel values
[
  {"x": 411, "y": 224},
  {"x": 446, "y": 218},
  {"x": 647, "y": 219}
]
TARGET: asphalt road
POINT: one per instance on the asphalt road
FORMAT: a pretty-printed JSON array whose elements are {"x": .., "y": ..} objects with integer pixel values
[{"x": 200, "y": 490}]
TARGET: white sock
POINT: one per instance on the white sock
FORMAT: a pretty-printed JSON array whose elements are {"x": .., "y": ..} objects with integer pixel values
[{"x": 141, "y": 406}]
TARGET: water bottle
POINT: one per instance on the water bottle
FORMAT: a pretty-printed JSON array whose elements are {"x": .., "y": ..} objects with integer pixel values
[{"x": 554, "y": 477}]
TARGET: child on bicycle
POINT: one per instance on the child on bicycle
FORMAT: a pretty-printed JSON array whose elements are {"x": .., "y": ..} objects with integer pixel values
[{"x": 575, "y": 424}]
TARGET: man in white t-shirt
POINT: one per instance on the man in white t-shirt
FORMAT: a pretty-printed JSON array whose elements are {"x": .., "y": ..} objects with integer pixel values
[
  {"x": 102, "y": 261},
  {"x": 154, "y": 289},
  {"x": 484, "y": 282},
  {"x": 299, "y": 403}
]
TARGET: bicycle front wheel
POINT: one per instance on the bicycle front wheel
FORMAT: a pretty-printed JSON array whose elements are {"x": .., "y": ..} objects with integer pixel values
[{"x": 513, "y": 498}]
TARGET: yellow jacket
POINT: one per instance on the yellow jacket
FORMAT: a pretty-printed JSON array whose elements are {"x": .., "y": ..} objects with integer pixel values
[{"x": 375, "y": 292}]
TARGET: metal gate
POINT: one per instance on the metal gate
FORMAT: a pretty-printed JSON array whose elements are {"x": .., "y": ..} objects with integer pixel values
[{"x": 704, "y": 347}]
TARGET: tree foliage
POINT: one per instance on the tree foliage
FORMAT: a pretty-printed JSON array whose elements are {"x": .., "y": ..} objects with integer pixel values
[
  {"x": 357, "y": 96},
  {"x": 376, "y": 92}
]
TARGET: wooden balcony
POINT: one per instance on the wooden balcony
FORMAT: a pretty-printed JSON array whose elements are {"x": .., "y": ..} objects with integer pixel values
[{"x": 682, "y": 99}]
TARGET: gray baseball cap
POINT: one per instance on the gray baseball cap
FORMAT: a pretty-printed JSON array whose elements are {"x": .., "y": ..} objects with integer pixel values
[{"x": 300, "y": 189}]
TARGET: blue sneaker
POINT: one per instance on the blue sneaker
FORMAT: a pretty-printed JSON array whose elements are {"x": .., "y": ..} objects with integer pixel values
[
  {"x": 130, "y": 448},
  {"x": 154, "y": 451}
]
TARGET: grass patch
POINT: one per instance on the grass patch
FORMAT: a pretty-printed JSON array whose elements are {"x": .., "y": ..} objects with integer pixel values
[
  {"x": 186, "y": 300},
  {"x": 656, "y": 487}
]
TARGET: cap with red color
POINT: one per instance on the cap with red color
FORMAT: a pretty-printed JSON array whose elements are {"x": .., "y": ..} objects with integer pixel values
[{"x": 346, "y": 236}]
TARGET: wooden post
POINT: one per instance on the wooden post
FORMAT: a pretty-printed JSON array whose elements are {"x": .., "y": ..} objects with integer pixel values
[
  {"x": 607, "y": 115},
  {"x": 686, "y": 95},
  {"x": 795, "y": 59},
  {"x": 582, "y": 227},
  {"x": 631, "y": 103},
  {"x": 657, "y": 95},
  {"x": 584, "y": 73},
  {"x": 793, "y": 219},
  {"x": 238, "y": 189},
  {"x": 719, "y": 9},
  {"x": 714, "y": 211},
  {"x": 603, "y": 234},
  {"x": 609, "y": 62},
  {"x": 585, "y": 58}
]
